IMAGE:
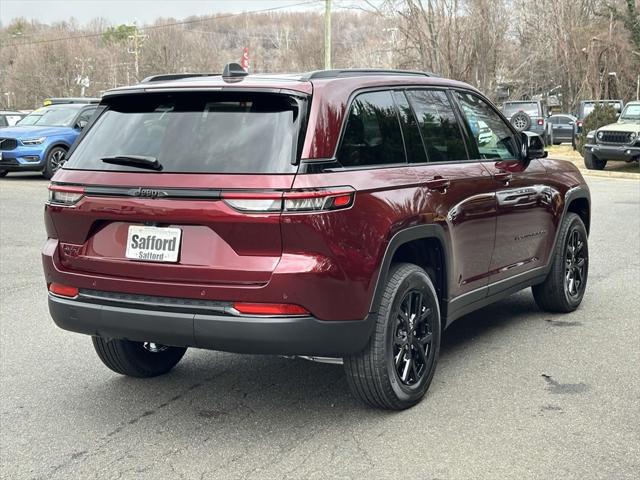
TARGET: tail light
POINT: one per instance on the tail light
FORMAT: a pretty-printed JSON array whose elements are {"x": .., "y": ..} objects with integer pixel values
[
  {"x": 65, "y": 195},
  {"x": 296, "y": 201},
  {"x": 63, "y": 290},
  {"x": 579, "y": 123},
  {"x": 269, "y": 309},
  {"x": 540, "y": 121}
]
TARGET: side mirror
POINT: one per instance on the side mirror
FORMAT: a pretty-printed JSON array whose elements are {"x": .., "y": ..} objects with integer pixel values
[
  {"x": 82, "y": 123},
  {"x": 532, "y": 146}
]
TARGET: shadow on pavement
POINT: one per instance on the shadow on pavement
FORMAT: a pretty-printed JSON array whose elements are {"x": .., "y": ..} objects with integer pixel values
[{"x": 277, "y": 394}]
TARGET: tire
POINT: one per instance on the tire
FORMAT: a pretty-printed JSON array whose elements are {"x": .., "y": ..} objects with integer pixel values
[
  {"x": 521, "y": 121},
  {"x": 593, "y": 163},
  {"x": 570, "y": 261},
  {"x": 134, "y": 360},
  {"x": 395, "y": 345},
  {"x": 3, "y": 173},
  {"x": 54, "y": 161}
]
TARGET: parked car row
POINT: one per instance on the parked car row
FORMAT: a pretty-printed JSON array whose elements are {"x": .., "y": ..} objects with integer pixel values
[{"x": 554, "y": 129}]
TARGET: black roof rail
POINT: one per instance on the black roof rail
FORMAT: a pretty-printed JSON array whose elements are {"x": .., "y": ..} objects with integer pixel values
[
  {"x": 165, "y": 77},
  {"x": 357, "y": 72}
]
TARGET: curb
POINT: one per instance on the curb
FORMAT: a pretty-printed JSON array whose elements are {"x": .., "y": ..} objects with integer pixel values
[{"x": 598, "y": 173}]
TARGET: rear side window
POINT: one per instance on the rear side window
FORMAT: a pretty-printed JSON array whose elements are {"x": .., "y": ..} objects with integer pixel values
[
  {"x": 440, "y": 130},
  {"x": 196, "y": 133},
  {"x": 410, "y": 130},
  {"x": 372, "y": 135}
]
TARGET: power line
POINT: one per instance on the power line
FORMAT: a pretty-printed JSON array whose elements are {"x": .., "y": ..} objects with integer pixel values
[{"x": 166, "y": 25}]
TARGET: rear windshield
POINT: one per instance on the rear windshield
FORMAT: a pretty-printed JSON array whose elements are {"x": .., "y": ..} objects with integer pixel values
[
  {"x": 530, "y": 108},
  {"x": 195, "y": 133}
]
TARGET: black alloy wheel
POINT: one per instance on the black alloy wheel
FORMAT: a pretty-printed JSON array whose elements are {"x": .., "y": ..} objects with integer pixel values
[
  {"x": 575, "y": 265},
  {"x": 563, "y": 289},
  {"x": 412, "y": 339}
]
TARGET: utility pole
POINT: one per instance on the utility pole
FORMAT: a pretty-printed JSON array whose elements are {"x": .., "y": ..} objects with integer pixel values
[
  {"x": 327, "y": 34},
  {"x": 135, "y": 42},
  {"x": 82, "y": 80}
]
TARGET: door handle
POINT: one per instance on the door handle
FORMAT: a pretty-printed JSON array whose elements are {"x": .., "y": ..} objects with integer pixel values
[
  {"x": 437, "y": 183},
  {"x": 505, "y": 177}
]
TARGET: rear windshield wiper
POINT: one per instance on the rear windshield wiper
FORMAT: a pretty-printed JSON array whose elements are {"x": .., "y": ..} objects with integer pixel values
[{"x": 139, "y": 161}]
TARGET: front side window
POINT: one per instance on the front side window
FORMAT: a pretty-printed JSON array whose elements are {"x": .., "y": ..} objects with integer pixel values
[
  {"x": 440, "y": 130},
  {"x": 372, "y": 135},
  {"x": 194, "y": 133},
  {"x": 493, "y": 138},
  {"x": 85, "y": 116}
]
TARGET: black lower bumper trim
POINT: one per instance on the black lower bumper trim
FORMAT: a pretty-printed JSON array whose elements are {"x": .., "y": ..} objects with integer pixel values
[{"x": 241, "y": 334}]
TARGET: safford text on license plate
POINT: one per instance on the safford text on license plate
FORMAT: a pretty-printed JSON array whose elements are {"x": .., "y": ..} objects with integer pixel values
[{"x": 153, "y": 244}]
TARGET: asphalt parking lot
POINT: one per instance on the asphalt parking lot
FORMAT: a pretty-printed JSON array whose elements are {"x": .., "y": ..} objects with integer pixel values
[{"x": 518, "y": 393}]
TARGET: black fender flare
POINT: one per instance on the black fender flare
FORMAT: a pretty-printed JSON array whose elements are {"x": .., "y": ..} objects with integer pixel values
[
  {"x": 417, "y": 232},
  {"x": 574, "y": 193}
]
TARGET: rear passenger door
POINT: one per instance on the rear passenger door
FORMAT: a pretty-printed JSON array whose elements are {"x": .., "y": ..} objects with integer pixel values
[
  {"x": 525, "y": 223},
  {"x": 458, "y": 192}
]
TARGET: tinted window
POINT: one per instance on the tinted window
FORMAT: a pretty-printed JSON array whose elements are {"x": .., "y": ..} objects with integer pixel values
[
  {"x": 215, "y": 133},
  {"x": 410, "y": 131},
  {"x": 438, "y": 124},
  {"x": 3, "y": 121},
  {"x": 372, "y": 135},
  {"x": 493, "y": 137}
]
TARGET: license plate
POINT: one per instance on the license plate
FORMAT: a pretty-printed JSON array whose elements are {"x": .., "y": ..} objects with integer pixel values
[{"x": 153, "y": 244}]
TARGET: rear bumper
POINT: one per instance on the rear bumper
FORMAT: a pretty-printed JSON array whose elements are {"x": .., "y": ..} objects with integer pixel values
[{"x": 213, "y": 330}]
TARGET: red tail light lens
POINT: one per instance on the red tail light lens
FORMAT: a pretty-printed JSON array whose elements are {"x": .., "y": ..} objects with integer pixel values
[
  {"x": 296, "y": 201},
  {"x": 65, "y": 195},
  {"x": 318, "y": 200},
  {"x": 269, "y": 309},
  {"x": 63, "y": 290},
  {"x": 540, "y": 121},
  {"x": 579, "y": 123}
]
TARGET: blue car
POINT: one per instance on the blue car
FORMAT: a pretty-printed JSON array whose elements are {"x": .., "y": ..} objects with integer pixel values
[{"x": 41, "y": 140}]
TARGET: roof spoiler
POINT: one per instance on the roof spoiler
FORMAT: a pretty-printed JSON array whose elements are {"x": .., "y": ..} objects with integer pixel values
[{"x": 165, "y": 77}]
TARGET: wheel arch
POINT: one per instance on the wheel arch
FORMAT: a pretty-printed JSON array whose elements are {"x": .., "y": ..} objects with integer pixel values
[
  {"x": 423, "y": 245},
  {"x": 578, "y": 201},
  {"x": 54, "y": 144}
]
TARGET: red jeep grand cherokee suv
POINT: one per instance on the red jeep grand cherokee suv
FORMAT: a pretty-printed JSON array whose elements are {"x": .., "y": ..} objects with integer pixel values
[{"x": 348, "y": 214}]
